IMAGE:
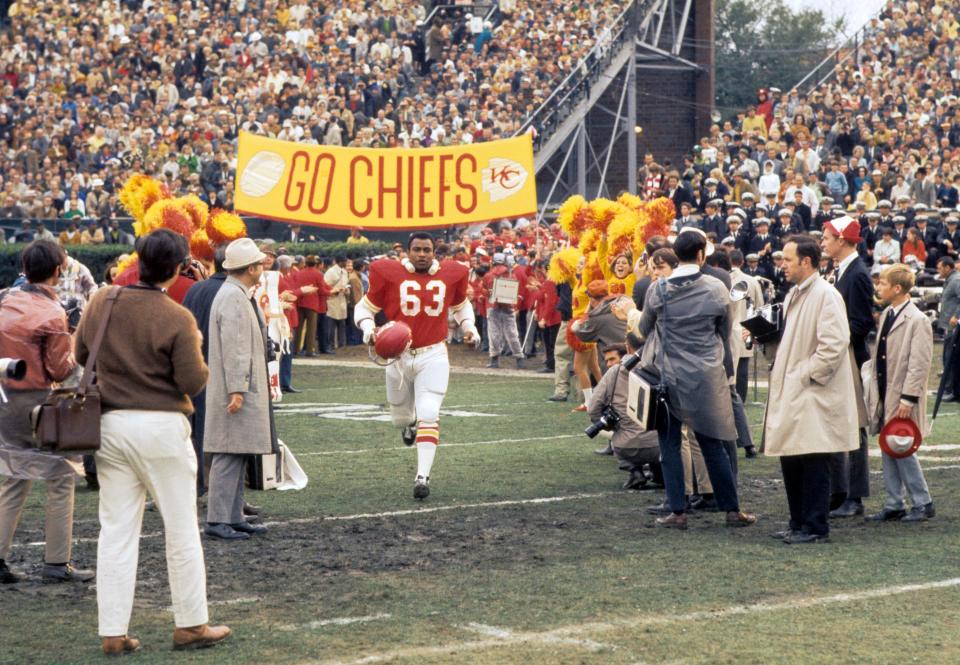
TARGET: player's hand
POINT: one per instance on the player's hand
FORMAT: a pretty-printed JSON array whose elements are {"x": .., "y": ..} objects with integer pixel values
[
  {"x": 236, "y": 403},
  {"x": 369, "y": 336}
]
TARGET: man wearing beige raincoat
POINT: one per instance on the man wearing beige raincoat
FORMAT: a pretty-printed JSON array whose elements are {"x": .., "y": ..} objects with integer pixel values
[{"x": 811, "y": 406}]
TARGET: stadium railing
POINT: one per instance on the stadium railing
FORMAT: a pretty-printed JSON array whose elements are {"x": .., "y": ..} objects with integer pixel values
[{"x": 850, "y": 49}]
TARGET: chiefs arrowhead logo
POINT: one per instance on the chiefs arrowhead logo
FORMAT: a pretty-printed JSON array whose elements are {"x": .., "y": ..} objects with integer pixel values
[{"x": 503, "y": 178}]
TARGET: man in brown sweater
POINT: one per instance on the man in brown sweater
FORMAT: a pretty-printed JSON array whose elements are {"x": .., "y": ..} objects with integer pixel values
[{"x": 147, "y": 368}]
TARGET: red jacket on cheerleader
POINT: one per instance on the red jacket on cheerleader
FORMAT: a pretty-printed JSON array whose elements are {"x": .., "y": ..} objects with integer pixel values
[
  {"x": 317, "y": 301},
  {"x": 546, "y": 305}
]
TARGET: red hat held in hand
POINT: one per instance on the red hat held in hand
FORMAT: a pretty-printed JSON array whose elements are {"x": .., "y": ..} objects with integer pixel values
[{"x": 900, "y": 438}]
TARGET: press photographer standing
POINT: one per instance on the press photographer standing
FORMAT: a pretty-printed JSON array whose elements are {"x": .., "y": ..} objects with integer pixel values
[
  {"x": 33, "y": 328},
  {"x": 811, "y": 406},
  {"x": 689, "y": 312}
]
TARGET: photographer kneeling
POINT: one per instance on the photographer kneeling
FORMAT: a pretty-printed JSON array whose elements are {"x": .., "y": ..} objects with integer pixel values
[{"x": 608, "y": 412}]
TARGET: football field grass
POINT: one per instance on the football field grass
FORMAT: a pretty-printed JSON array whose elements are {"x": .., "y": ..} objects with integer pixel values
[{"x": 526, "y": 552}]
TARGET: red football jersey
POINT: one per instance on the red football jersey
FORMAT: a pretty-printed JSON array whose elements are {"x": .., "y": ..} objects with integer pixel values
[{"x": 420, "y": 300}]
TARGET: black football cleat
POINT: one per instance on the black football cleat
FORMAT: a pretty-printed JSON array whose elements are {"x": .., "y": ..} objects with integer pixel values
[
  {"x": 409, "y": 435},
  {"x": 421, "y": 488}
]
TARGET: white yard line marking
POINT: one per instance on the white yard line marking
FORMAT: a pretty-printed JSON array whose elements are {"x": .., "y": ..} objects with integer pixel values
[
  {"x": 342, "y": 621},
  {"x": 576, "y": 634},
  {"x": 442, "y": 445},
  {"x": 476, "y": 371},
  {"x": 394, "y": 513},
  {"x": 437, "y": 509}
]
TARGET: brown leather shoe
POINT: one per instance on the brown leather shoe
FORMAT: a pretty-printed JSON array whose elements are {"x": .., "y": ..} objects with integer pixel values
[
  {"x": 199, "y": 637},
  {"x": 673, "y": 521},
  {"x": 120, "y": 646},
  {"x": 740, "y": 518}
]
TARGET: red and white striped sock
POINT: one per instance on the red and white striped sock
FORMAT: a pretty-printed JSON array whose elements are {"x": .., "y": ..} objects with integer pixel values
[{"x": 428, "y": 438}]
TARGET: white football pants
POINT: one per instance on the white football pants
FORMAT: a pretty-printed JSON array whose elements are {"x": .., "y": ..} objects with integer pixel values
[{"x": 417, "y": 383}]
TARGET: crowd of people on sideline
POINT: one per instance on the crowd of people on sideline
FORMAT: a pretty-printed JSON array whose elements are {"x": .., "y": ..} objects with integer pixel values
[{"x": 833, "y": 204}]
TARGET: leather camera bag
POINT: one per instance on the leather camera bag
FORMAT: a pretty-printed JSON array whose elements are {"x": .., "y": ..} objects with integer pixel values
[{"x": 68, "y": 421}]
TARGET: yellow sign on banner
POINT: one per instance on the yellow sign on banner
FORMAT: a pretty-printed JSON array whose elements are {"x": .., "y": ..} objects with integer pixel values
[{"x": 391, "y": 188}]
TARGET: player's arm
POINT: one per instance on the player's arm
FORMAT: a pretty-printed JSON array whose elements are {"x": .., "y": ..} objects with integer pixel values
[
  {"x": 464, "y": 317},
  {"x": 363, "y": 313},
  {"x": 370, "y": 304},
  {"x": 462, "y": 310}
]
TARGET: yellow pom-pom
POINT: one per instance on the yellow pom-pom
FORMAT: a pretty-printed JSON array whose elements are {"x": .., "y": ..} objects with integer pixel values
[
  {"x": 138, "y": 194},
  {"x": 602, "y": 212},
  {"x": 620, "y": 232},
  {"x": 224, "y": 227},
  {"x": 200, "y": 247},
  {"x": 591, "y": 269},
  {"x": 629, "y": 200},
  {"x": 198, "y": 211},
  {"x": 574, "y": 216},
  {"x": 168, "y": 214},
  {"x": 563, "y": 266},
  {"x": 589, "y": 241}
]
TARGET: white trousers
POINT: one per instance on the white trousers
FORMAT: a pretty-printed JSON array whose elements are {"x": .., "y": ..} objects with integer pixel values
[
  {"x": 416, "y": 385},
  {"x": 147, "y": 451}
]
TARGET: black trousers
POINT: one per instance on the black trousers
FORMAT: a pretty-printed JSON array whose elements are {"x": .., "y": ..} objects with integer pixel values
[
  {"x": 743, "y": 378},
  {"x": 806, "y": 479},
  {"x": 850, "y": 472},
  {"x": 549, "y": 339}
]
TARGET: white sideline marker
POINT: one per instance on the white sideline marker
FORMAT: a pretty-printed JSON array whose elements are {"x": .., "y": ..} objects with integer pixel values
[
  {"x": 569, "y": 634},
  {"x": 341, "y": 621},
  {"x": 442, "y": 445}
]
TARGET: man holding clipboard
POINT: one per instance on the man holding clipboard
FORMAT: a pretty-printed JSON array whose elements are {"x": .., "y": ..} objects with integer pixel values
[{"x": 502, "y": 295}]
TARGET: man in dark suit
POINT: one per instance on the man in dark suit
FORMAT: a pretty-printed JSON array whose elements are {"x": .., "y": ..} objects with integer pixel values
[
  {"x": 802, "y": 211},
  {"x": 678, "y": 192},
  {"x": 713, "y": 222},
  {"x": 900, "y": 229},
  {"x": 787, "y": 224},
  {"x": 293, "y": 235},
  {"x": 949, "y": 240},
  {"x": 764, "y": 244},
  {"x": 850, "y": 472},
  {"x": 929, "y": 236}
]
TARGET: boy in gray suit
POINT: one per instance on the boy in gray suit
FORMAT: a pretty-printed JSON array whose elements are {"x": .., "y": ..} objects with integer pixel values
[{"x": 901, "y": 367}]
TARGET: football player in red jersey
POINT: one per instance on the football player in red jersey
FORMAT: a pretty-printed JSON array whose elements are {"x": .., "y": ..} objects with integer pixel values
[{"x": 419, "y": 290}]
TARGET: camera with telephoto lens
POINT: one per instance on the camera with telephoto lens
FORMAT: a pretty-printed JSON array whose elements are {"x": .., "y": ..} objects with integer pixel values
[
  {"x": 609, "y": 419},
  {"x": 13, "y": 369}
]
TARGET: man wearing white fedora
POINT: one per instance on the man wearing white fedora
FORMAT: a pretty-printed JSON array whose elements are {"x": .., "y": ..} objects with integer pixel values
[{"x": 237, "y": 421}]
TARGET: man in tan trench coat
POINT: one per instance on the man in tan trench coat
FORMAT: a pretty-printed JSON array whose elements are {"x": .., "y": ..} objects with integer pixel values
[
  {"x": 811, "y": 407},
  {"x": 238, "y": 393}
]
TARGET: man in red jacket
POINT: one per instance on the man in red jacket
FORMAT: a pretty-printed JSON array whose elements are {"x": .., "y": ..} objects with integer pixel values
[
  {"x": 291, "y": 293},
  {"x": 312, "y": 306},
  {"x": 548, "y": 320},
  {"x": 501, "y": 321}
]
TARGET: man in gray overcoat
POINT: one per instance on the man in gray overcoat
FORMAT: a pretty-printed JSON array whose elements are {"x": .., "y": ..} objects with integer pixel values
[
  {"x": 237, "y": 420},
  {"x": 690, "y": 315}
]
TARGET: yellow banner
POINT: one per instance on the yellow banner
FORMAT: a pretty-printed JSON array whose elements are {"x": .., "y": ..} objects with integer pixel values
[{"x": 390, "y": 188}]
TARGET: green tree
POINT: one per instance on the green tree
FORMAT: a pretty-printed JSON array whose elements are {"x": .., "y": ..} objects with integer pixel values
[{"x": 764, "y": 44}]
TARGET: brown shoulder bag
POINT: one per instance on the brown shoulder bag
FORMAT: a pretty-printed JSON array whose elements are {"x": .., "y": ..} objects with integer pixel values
[{"x": 68, "y": 421}]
